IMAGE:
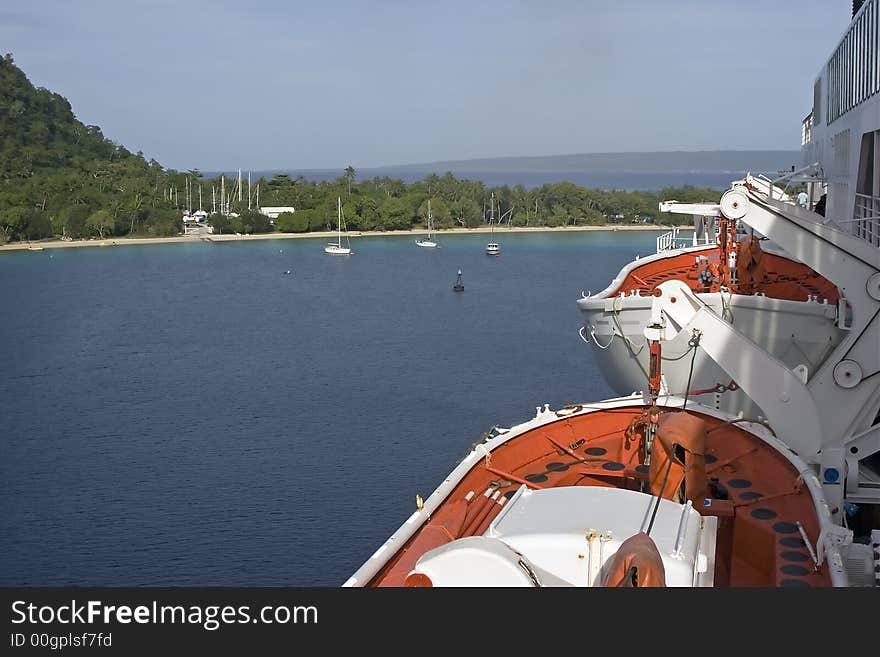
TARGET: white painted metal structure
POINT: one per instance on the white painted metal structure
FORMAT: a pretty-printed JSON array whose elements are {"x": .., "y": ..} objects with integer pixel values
[
  {"x": 845, "y": 388},
  {"x": 842, "y": 132},
  {"x": 841, "y": 135}
]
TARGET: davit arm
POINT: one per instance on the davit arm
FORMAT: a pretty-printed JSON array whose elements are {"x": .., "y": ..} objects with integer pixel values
[{"x": 781, "y": 393}]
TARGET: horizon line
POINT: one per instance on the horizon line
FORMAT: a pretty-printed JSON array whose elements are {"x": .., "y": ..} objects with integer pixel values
[{"x": 500, "y": 157}]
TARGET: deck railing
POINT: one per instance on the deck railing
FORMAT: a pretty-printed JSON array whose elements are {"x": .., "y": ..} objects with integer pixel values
[
  {"x": 853, "y": 71},
  {"x": 807, "y": 130},
  {"x": 866, "y": 219},
  {"x": 671, "y": 241}
]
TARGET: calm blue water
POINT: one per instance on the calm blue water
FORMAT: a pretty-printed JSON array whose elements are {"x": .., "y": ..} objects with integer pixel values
[{"x": 185, "y": 414}]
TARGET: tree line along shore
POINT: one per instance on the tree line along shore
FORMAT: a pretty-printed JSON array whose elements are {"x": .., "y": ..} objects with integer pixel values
[
  {"x": 60, "y": 178},
  {"x": 127, "y": 240}
]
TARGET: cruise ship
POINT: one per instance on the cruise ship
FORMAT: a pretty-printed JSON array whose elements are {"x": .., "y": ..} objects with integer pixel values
[{"x": 747, "y": 451}]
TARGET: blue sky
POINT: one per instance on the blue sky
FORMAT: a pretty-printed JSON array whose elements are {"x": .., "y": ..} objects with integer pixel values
[{"x": 222, "y": 84}]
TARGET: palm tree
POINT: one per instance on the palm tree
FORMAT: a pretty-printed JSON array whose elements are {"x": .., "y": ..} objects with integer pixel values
[{"x": 349, "y": 176}]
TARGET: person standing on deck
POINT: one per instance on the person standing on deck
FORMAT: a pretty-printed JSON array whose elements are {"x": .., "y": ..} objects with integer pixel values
[{"x": 802, "y": 199}]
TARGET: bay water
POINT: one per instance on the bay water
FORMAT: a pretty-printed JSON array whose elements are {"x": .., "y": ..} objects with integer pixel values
[{"x": 190, "y": 414}]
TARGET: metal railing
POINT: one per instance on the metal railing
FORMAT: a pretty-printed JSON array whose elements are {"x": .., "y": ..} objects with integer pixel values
[
  {"x": 671, "y": 241},
  {"x": 807, "y": 130},
  {"x": 866, "y": 218},
  {"x": 853, "y": 73}
]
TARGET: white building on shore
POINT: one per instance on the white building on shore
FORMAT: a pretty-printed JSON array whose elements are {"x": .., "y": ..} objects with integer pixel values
[{"x": 273, "y": 212}]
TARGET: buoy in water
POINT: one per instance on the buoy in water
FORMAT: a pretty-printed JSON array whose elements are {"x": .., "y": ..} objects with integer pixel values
[
  {"x": 459, "y": 286},
  {"x": 287, "y": 272}
]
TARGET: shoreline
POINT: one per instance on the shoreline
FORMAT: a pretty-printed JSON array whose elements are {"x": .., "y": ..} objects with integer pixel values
[{"x": 127, "y": 241}]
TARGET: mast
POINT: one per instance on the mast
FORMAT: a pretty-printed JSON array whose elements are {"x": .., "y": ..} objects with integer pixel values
[
  {"x": 222, "y": 195},
  {"x": 429, "y": 218},
  {"x": 492, "y": 215},
  {"x": 200, "y": 198},
  {"x": 249, "y": 190},
  {"x": 339, "y": 220},
  {"x": 239, "y": 187}
]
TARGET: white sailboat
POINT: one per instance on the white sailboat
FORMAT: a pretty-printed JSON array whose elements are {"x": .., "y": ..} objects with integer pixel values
[
  {"x": 492, "y": 247},
  {"x": 428, "y": 242},
  {"x": 337, "y": 248}
]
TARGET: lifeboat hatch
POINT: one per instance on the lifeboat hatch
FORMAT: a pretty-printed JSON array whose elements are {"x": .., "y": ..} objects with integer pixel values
[{"x": 568, "y": 536}]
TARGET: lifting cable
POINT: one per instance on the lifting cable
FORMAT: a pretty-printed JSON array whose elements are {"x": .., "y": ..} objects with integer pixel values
[
  {"x": 662, "y": 486},
  {"x": 694, "y": 342}
]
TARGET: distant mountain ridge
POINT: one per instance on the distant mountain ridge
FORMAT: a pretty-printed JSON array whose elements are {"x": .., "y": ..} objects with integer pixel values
[
  {"x": 736, "y": 162},
  {"x": 733, "y": 161}
]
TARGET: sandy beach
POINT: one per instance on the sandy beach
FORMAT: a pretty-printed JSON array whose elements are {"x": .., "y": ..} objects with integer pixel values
[{"x": 120, "y": 241}]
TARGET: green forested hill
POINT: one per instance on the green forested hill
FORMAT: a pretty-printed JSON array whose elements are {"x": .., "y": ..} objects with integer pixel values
[
  {"x": 39, "y": 131},
  {"x": 60, "y": 177}
]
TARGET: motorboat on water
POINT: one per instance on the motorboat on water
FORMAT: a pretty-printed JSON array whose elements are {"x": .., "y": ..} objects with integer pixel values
[
  {"x": 336, "y": 248},
  {"x": 673, "y": 485}
]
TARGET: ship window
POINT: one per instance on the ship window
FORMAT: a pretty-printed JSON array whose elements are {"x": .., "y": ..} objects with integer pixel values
[
  {"x": 817, "y": 101},
  {"x": 876, "y": 54},
  {"x": 865, "y": 181}
]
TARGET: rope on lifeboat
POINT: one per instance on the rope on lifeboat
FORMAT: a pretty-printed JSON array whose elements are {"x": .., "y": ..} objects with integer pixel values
[
  {"x": 753, "y": 420},
  {"x": 694, "y": 342},
  {"x": 662, "y": 486},
  {"x": 593, "y": 336}
]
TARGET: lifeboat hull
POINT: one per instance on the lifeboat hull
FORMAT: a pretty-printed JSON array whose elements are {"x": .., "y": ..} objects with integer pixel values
[
  {"x": 552, "y": 501},
  {"x": 796, "y": 333}
]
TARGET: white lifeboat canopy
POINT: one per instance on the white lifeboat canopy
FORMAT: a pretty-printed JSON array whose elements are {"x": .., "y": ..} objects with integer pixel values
[{"x": 566, "y": 537}]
